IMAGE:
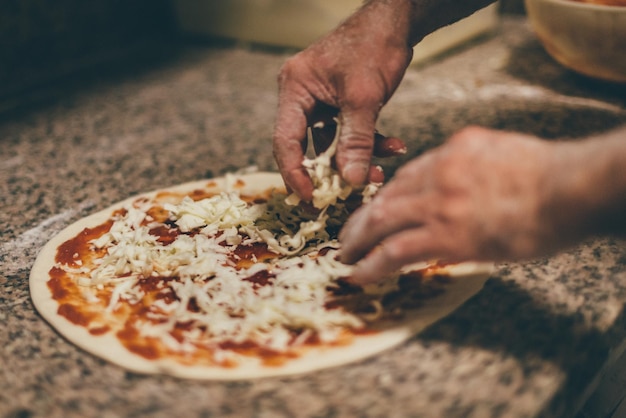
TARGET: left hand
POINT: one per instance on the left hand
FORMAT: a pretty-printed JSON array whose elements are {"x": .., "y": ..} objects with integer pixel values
[
  {"x": 349, "y": 74},
  {"x": 384, "y": 147}
]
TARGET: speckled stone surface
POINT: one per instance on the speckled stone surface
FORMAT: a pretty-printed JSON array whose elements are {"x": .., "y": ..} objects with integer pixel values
[{"x": 528, "y": 345}]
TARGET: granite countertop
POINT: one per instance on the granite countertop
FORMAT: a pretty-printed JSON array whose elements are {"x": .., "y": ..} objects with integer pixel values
[{"x": 530, "y": 344}]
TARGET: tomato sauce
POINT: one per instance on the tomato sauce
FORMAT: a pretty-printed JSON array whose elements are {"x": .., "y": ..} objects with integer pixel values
[
  {"x": 165, "y": 235},
  {"x": 56, "y": 284},
  {"x": 129, "y": 316},
  {"x": 74, "y": 314},
  {"x": 74, "y": 251},
  {"x": 244, "y": 256},
  {"x": 145, "y": 347},
  {"x": 99, "y": 330},
  {"x": 268, "y": 357}
]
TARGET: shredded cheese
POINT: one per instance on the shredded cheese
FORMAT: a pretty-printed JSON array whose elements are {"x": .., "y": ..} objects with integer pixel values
[
  {"x": 230, "y": 308},
  {"x": 328, "y": 186},
  {"x": 201, "y": 269}
]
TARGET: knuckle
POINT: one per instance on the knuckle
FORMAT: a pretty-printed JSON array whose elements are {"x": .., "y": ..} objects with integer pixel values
[
  {"x": 412, "y": 169},
  {"x": 395, "y": 251},
  {"x": 359, "y": 141},
  {"x": 357, "y": 132},
  {"x": 466, "y": 134},
  {"x": 454, "y": 213},
  {"x": 472, "y": 131},
  {"x": 288, "y": 65},
  {"x": 449, "y": 172},
  {"x": 378, "y": 213},
  {"x": 290, "y": 69},
  {"x": 284, "y": 72},
  {"x": 357, "y": 148},
  {"x": 359, "y": 97}
]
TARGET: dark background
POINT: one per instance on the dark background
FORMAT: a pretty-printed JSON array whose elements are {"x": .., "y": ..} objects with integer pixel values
[{"x": 43, "y": 42}]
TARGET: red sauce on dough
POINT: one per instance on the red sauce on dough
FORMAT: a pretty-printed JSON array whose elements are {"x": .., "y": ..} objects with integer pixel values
[
  {"x": 74, "y": 314},
  {"x": 72, "y": 251},
  {"x": 156, "y": 214},
  {"x": 145, "y": 347},
  {"x": 261, "y": 278},
  {"x": 192, "y": 305},
  {"x": 200, "y": 194},
  {"x": 56, "y": 284},
  {"x": 73, "y": 306},
  {"x": 246, "y": 255},
  {"x": 99, "y": 330},
  {"x": 69, "y": 296},
  {"x": 268, "y": 357},
  {"x": 165, "y": 235}
]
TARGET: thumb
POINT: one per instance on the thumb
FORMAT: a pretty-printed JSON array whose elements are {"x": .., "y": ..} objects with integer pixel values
[{"x": 356, "y": 145}]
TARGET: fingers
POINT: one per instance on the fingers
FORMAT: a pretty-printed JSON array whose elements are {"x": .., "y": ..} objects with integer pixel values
[
  {"x": 356, "y": 145},
  {"x": 388, "y": 146},
  {"x": 289, "y": 151},
  {"x": 289, "y": 139},
  {"x": 384, "y": 146},
  {"x": 395, "y": 228},
  {"x": 376, "y": 174},
  {"x": 289, "y": 155},
  {"x": 324, "y": 132},
  {"x": 404, "y": 248},
  {"x": 374, "y": 222},
  {"x": 322, "y": 138}
]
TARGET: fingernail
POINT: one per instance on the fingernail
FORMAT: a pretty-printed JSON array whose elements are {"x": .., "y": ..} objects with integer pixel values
[
  {"x": 355, "y": 173},
  {"x": 376, "y": 174}
]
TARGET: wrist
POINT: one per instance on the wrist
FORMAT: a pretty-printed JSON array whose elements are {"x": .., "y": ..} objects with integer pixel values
[
  {"x": 422, "y": 17},
  {"x": 396, "y": 18},
  {"x": 588, "y": 190},
  {"x": 607, "y": 160}
]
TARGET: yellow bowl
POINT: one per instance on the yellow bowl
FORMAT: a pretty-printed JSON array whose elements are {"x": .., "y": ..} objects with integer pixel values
[{"x": 587, "y": 37}]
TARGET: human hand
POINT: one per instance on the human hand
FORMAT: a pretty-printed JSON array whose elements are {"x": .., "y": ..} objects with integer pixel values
[
  {"x": 483, "y": 195},
  {"x": 349, "y": 74},
  {"x": 384, "y": 147}
]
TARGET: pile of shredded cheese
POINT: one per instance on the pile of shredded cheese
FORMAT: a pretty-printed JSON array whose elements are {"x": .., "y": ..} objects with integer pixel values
[{"x": 229, "y": 307}]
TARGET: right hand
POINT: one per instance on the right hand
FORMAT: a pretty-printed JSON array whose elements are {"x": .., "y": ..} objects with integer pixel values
[
  {"x": 483, "y": 195},
  {"x": 350, "y": 74}
]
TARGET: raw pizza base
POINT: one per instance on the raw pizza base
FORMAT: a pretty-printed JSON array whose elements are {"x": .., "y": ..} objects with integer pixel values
[{"x": 470, "y": 278}]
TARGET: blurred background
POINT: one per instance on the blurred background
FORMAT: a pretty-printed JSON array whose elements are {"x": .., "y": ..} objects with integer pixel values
[{"x": 44, "y": 43}]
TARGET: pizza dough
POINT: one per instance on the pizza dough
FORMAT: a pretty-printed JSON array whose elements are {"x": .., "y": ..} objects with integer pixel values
[{"x": 465, "y": 280}]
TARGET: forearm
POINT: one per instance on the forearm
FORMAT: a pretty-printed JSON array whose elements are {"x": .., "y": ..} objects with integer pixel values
[
  {"x": 589, "y": 191},
  {"x": 417, "y": 18}
]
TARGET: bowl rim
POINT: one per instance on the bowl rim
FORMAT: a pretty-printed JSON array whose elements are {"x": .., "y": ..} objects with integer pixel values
[{"x": 583, "y": 5}]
